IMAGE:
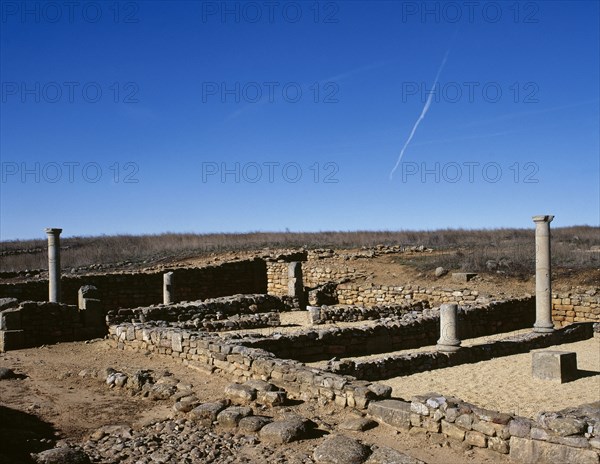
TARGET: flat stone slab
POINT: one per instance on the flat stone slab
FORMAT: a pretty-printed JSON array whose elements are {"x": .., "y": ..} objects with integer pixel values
[
  {"x": 284, "y": 431},
  {"x": 533, "y": 451},
  {"x": 392, "y": 412},
  {"x": 463, "y": 276},
  {"x": 208, "y": 412},
  {"x": 231, "y": 416},
  {"x": 385, "y": 455},
  {"x": 358, "y": 424},
  {"x": 340, "y": 449},
  {"x": 252, "y": 424},
  {"x": 555, "y": 366}
]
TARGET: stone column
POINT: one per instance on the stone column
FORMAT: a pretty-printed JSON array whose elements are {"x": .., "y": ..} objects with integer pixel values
[
  {"x": 448, "y": 341},
  {"x": 53, "y": 264},
  {"x": 543, "y": 287},
  {"x": 168, "y": 291}
]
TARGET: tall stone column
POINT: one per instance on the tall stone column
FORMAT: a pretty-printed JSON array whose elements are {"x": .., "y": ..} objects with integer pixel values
[
  {"x": 448, "y": 341},
  {"x": 168, "y": 291},
  {"x": 543, "y": 286},
  {"x": 53, "y": 264}
]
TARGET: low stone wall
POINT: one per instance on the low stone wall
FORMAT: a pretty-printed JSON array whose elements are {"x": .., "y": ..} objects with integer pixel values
[
  {"x": 314, "y": 275},
  {"x": 346, "y": 313},
  {"x": 371, "y": 295},
  {"x": 202, "y": 311},
  {"x": 394, "y": 366},
  {"x": 34, "y": 323},
  {"x": 412, "y": 330},
  {"x": 568, "y": 436},
  {"x": 213, "y": 354},
  {"x": 577, "y": 305},
  {"x": 236, "y": 322},
  {"x": 129, "y": 290}
]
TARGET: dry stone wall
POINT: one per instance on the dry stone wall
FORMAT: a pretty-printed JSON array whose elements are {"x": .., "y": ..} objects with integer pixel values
[
  {"x": 412, "y": 330},
  {"x": 130, "y": 290},
  {"x": 568, "y": 436},
  {"x": 34, "y": 323},
  {"x": 227, "y": 357},
  {"x": 393, "y": 366},
  {"x": 207, "y": 310},
  {"x": 577, "y": 305}
]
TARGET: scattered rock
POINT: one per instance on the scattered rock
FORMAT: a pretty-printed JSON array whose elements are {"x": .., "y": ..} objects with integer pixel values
[
  {"x": 61, "y": 456},
  {"x": 208, "y": 412},
  {"x": 440, "y": 271},
  {"x": 252, "y": 424},
  {"x": 284, "y": 431},
  {"x": 230, "y": 416},
  {"x": 383, "y": 455},
  {"x": 340, "y": 449},
  {"x": 358, "y": 424},
  {"x": 6, "y": 373},
  {"x": 241, "y": 394}
]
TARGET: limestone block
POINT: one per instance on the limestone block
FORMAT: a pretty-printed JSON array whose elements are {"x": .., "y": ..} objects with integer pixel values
[
  {"x": 533, "y": 451},
  {"x": 555, "y": 366}
]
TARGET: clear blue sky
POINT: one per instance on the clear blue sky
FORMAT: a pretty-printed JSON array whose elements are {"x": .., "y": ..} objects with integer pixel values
[{"x": 154, "y": 116}]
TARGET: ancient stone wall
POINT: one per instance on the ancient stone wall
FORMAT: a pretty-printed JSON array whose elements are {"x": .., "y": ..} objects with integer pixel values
[
  {"x": 567, "y": 436},
  {"x": 411, "y": 331},
  {"x": 240, "y": 363},
  {"x": 577, "y": 305},
  {"x": 201, "y": 311},
  {"x": 34, "y": 323},
  {"x": 130, "y": 290},
  {"x": 393, "y": 366},
  {"x": 348, "y": 313}
]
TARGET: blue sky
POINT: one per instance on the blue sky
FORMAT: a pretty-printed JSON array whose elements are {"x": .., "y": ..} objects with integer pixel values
[{"x": 154, "y": 116}]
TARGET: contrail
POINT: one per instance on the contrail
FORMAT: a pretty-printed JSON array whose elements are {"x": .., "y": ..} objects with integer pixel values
[{"x": 423, "y": 113}]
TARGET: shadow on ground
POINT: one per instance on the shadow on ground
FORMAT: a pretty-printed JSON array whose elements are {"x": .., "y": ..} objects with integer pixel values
[{"x": 21, "y": 434}]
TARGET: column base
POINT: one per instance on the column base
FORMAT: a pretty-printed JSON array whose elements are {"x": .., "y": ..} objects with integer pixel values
[
  {"x": 447, "y": 348},
  {"x": 543, "y": 329}
]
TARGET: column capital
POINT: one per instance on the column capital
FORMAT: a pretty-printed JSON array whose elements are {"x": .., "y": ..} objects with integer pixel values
[
  {"x": 52, "y": 231},
  {"x": 542, "y": 218}
]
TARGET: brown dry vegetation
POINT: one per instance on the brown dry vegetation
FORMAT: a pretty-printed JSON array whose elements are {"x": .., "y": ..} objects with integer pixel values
[{"x": 512, "y": 249}]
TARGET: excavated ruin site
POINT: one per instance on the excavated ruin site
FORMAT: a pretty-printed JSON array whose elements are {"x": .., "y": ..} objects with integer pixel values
[{"x": 298, "y": 356}]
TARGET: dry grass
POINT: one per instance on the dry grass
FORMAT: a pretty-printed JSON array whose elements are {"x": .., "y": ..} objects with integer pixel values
[{"x": 512, "y": 249}]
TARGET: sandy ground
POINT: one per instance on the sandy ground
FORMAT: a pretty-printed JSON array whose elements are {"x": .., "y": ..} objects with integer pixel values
[
  {"x": 52, "y": 391},
  {"x": 506, "y": 383}
]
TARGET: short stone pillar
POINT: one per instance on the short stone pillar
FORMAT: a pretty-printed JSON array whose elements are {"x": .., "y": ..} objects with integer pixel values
[
  {"x": 448, "y": 341},
  {"x": 53, "y": 264},
  {"x": 556, "y": 366},
  {"x": 295, "y": 283},
  {"x": 168, "y": 290},
  {"x": 89, "y": 303},
  {"x": 543, "y": 288},
  {"x": 314, "y": 314},
  {"x": 85, "y": 293}
]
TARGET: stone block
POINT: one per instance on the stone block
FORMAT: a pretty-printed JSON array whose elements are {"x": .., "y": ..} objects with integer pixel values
[
  {"x": 10, "y": 319},
  {"x": 453, "y": 431},
  {"x": 463, "y": 276},
  {"x": 534, "y": 451},
  {"x": 12, "y": 340},
  {"x": 476, "y": 439},
  {"x": 555, "y": 366},
  {"x": 392, "y": 412},
  {"x": 498, "y": 444}
]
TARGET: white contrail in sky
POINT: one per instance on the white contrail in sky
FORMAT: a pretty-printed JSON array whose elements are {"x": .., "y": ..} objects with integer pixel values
[{"x": 423, "y": 113}]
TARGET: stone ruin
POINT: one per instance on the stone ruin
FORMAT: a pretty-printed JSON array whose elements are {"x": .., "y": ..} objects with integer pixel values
[{"x": 197, "y": 317}]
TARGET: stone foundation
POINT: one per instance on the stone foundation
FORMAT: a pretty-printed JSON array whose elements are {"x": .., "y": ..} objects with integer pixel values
[
  {"x": 566, "y": 436},
  {"x": 33, "y": 323}
]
